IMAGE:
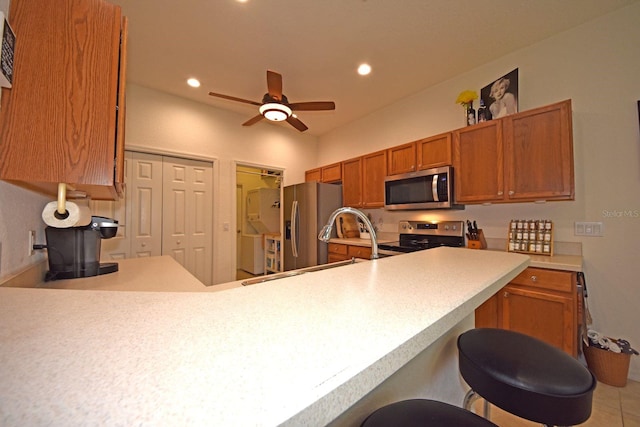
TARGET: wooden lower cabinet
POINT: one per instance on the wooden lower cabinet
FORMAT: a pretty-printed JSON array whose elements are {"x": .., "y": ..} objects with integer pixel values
[
  {"x": 538, "y": 302},
  {"x": 342, "y": 252}
]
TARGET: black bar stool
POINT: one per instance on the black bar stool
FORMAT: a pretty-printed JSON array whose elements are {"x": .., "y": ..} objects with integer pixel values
[
  {"x": 423, "y": 413},
  {"x": 525, "y": 376}
]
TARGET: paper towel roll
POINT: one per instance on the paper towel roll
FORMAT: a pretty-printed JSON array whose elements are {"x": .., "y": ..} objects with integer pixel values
[{"x": 79, "y": 215}]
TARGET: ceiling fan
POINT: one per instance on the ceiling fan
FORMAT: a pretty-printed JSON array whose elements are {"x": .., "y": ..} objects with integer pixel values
[{"x": 276, "y": 107}]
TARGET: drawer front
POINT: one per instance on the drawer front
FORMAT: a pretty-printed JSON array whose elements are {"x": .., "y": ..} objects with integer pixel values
[
  {"x": 337, "y": 248},
  {"x": 337, "y": 257},
  {"x": 562, "y": 281},
  {"x": 359, "y": 252}
]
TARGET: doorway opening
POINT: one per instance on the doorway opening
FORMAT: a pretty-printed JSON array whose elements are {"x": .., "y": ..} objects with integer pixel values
[{"x": 258, "y": 217}]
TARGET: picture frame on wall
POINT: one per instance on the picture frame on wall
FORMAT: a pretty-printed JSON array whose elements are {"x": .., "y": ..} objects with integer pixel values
[{"x": 501, "y": 96}]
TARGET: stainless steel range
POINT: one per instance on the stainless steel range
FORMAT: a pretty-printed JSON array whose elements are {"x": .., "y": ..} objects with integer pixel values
[{"x": 420, "y": 235}]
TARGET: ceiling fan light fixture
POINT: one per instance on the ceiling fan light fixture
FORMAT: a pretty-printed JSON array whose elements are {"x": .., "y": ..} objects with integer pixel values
[{"x": 275, "y": 112}]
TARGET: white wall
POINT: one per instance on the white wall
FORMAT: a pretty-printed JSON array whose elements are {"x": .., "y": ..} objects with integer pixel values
[
  {"x": 159, "y": 121},
  {"x": 596, "y": 65}
]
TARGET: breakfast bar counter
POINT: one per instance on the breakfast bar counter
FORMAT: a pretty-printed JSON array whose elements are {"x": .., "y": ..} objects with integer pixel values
[{"x": 296, "y": 351}]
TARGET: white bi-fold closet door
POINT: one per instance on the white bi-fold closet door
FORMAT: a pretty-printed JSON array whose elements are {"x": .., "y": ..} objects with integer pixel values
[{"x": 168, "y": 211}]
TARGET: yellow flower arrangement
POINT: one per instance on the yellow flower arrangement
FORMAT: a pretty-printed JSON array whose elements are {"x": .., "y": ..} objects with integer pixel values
[{"x": 466, "y": 97}]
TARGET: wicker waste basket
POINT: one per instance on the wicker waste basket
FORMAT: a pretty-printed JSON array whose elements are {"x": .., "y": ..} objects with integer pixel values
[{"x": 608, "y": 367}]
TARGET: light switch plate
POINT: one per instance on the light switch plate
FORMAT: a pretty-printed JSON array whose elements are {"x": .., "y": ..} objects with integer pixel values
[{"x": 591, "y": 229}]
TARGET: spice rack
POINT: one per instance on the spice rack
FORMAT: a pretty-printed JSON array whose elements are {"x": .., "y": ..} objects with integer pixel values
[{"x": 530, "y": 236}]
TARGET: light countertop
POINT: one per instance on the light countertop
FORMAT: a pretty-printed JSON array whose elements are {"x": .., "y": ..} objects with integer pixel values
[
  {"x": 153, "y": 274},
  {"x": 555, "y": 262},
  {"x": 296, "y": 351}
]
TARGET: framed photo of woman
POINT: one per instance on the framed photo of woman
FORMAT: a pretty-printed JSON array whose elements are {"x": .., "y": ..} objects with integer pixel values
[{"x": 501, "y": 96}]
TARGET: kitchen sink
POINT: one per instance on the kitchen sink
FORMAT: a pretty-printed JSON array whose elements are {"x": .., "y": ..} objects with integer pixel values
[{"x": 292, "y": 273}]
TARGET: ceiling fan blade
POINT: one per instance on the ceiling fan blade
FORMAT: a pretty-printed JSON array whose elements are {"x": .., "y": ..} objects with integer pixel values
[
  {"x": 296, "y": 123},
  {"x": 253, "y": 120},
  {"x": 274, "y": 85},
  {"x": 233, "y": 98},
  {"x": 313, "y": 106}
]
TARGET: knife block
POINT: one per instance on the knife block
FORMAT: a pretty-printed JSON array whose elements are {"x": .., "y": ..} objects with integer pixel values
[{"x": 480, "y": 243}]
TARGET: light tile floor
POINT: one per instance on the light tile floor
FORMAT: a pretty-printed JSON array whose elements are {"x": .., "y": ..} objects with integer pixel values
[{"x": 612, "y": 407}]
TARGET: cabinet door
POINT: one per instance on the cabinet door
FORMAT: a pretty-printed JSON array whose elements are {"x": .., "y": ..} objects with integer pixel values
[
  {"x": 62, "y": 105},
  {"x": 402, "y": 159},
  {"x": 434, "y": 152},
  {"x": 479, "y": 163},
  {"x": 374, "y": 170},
  {"x": 547, "y": 316},
  {"x": 122, "y": 110},
  {"x": 332, "y": 173},
  {"x": 352, "y": 182},
  {"x": 313, "y": 175},
  {"x": 487, "y": 313},
  {"x": 539, "y": 154}
]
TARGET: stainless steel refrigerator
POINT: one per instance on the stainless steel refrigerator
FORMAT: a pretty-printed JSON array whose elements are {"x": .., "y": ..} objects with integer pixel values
[{"x": 307, "y": 208}]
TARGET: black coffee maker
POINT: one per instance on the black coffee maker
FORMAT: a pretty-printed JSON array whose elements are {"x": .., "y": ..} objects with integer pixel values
[{"x": 75, "y": 251}]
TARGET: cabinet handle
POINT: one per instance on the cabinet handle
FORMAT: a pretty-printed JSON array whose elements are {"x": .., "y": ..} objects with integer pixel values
[
  {"x": 511, "y": 192},
  {"x": 506, "y": 294},
  {"x": 534, "y": 278},
  {"x": 143, "y": 244},
  {"x": 500, "y": 193}
]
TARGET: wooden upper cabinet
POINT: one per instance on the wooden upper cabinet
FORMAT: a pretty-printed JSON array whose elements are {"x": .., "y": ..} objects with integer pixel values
[
  {"x": 522, "y": 157},
  {"x": 63, "y": 119},
  {"x": 332, "y": 173},
  {"x": 352, "y": 182},
  {"x": 402, "y": 159},
  {"x": 374, "y": 170},
  {"x": 478, "y": 163},
  {"x": 434, "y": 152},
  {"x": 313, "y": 175},
  {"x": 426, "y": 153},
  {"x": 539, "y": 154}
]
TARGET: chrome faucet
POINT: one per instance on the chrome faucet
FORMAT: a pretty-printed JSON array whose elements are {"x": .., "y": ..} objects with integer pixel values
[{"x": 325, "y": 233}]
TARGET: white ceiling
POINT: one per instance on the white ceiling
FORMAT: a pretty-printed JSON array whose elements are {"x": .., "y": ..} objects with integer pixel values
[{"x": 317, "y": 45}]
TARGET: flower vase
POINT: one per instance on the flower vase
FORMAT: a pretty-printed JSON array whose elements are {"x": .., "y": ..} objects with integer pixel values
[{"x": 470, "y": 114}]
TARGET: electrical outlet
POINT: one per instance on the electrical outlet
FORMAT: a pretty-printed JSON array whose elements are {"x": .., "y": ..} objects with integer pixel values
[
  {"x": 32, "y": 241},
  {"x": 591, "y": 229}
]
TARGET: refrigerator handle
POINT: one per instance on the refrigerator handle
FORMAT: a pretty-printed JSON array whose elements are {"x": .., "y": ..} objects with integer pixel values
[{"x": 295, "y": 218}]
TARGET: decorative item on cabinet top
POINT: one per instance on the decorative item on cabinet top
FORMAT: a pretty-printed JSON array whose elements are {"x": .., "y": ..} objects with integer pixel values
[
  {"x": 8, "y": 46},
  {"x": 466, "y": 99},
  {"x": 501, "y": 96},
  {"x": 531, "y": 236}
]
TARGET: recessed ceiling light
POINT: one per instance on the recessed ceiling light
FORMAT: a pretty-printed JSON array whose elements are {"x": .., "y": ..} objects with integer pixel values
[
  {"x": 193, "y": 82},
  {"x": 364, "y": 69}
]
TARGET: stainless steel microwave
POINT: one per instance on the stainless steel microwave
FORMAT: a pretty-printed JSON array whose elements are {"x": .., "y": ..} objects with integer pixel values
[{"x": 425, "y": 189}]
